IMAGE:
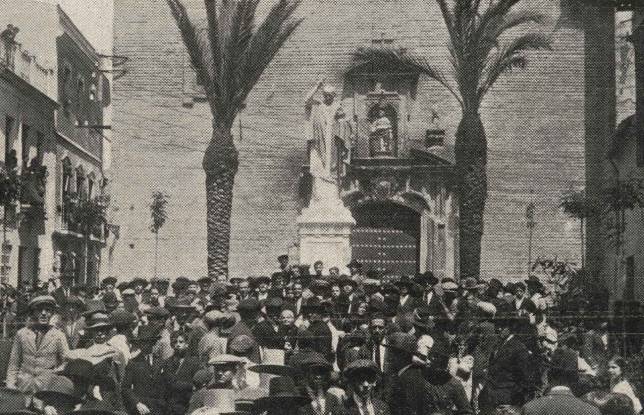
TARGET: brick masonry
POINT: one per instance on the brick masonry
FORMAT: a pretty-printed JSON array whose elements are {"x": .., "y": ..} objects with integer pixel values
[{"x": 534, "y": 121}]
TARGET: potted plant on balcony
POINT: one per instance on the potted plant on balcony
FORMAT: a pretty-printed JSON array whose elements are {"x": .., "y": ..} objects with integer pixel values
[
  {"x": 10, "y": 185},
  {"x": 87, "y": 215}
]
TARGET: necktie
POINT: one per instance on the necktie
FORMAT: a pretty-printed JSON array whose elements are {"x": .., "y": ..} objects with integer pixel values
[{"x": 39, "y": 337}]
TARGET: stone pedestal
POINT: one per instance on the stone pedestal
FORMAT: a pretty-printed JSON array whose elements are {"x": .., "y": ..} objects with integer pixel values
[{"x": 325, "y": 231}]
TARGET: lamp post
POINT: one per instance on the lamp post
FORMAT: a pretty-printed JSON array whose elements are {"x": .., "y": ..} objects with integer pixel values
[{"x": 530, "y": 223}]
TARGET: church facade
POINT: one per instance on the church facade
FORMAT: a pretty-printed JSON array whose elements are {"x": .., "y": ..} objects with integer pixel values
[{"x": 396, "y": 172}]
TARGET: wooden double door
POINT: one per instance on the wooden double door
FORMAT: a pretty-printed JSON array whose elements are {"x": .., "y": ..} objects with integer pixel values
[{"x": 386, "y": 238}]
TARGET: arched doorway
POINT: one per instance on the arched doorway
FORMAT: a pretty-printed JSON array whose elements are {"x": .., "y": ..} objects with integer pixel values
[{"x": 386, "y": 237}]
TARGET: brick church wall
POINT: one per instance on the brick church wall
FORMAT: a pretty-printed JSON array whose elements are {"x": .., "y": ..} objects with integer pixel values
[{"x": 534, "y": 121}]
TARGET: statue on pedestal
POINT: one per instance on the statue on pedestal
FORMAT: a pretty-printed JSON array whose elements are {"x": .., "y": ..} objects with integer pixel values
[
  {"x": 326, "y": 125},
  {"x": 382, "y": 129}
]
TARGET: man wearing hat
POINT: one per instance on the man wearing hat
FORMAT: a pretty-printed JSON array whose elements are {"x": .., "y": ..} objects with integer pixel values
[
  {"x": 509, "y": 379},
  {"x": 283, "y": 398},
  {"x": 261, "y": 286},
  {"x": 177, "y": 373},
  {"x": 312, "y": 315},
  {"x": 71, "y": 321},
  {"x": 406, "y": 302},
  {"x": 316, "y": 378},
  {"x": 108, "y": 285},
  {"x": 411, "y": 393},
  {"x": 563, "y": 374},
  {"x": 362, "y": 378},
  {"x": 267, "y": 331},
  {"x": 38, "y": 349},
  {"x": 248, "y": 311},
  {"x": 213, "y": 342},
  {"x": 63, "y": 292},
  {"x": 143, "y": 386},
  {"x": 432, "y": 293},
  {"x": 284, "y": 266}
]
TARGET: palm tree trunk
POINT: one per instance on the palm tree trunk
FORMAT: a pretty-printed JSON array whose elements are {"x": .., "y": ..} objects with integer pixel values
[
  {"x": 220, "y": 164},
  {"x": 471, "y": 161}
]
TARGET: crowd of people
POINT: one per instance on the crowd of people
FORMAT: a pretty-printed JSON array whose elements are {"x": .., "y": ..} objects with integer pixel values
[{"x": 302, "y": 342}]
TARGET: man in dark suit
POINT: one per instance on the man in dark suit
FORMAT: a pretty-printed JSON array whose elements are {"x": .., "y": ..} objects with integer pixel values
[
  {"x": 248, "y": 310},
  {"x": 509, "y": 376},
  {"x": 406, "y": 302},
  {"x": 62, "y": 293},
  {"x": 431, "y": 298},
  {"x": 142, "y": 386},
  {"x": 177, "y": 373},
  {"x": 315, "y": 383},
  {"x": 362, "y": 376},
  {"x": 411, "y": 393},
  {"x": 562, "y": 374},
  {"x": 295, "y": 304}
]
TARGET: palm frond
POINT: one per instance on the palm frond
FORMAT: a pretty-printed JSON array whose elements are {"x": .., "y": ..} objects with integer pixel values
[
  {"x": 397, "y": 58},
  {"x": 492, "y": 32},
  {"x": 192, "y": 41},
  {"x": 262, "y": 47},
  {"x": 512, "y": 56}
]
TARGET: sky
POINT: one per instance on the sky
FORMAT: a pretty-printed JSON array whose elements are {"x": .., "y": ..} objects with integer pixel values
[{"x": 94, "y": 18}]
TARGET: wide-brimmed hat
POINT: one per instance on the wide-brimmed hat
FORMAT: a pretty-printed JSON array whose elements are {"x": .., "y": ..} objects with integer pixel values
[
  {"x": 282, "y": 393},
  {"x": 426, "y": 278},
  {"x": 205, "y": 279},
  {"x": 13, "y": 401},
  {"x": 470, "y": 283},
  {"x": 158, "y": 312},
  {"x": 41, "y": 300},
  {"x": 315, "y": 360},
  {"x": 146, "y": 334},
  {"x": 224, "y": 359},
  {"x": 60, "y": 390},
  {"x": 402, "y": 342},
  {"x": 389, "y": 288},
  {"x": 109, "y": 281},
  {"x": 73, "y": 301},
  {"x": 242, "y": 345},
  {"x": 138, "y": 281},
  {"x": 274, "y": 303},
  {"x": 249, "y": 304},
  {"x": 98, "y": 321},
  {"x": 233, "y": 280},
  {"x": 346, "y": 280},
  {"x": 122, "y": 317},
  {"x": 360, "y": 366},
  {"x": 448, "y": 284}
]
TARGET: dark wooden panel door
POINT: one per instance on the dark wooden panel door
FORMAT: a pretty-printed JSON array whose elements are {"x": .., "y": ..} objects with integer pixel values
[{"x": 386, "y": 238}]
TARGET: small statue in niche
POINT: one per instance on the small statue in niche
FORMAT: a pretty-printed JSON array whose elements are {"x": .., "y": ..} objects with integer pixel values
[{"x": 382, "y": 129}]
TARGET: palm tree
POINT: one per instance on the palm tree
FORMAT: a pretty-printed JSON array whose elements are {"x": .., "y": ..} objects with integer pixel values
[
  {"x": 481, "y": 49},
  {"x": 229, "y": 58}
]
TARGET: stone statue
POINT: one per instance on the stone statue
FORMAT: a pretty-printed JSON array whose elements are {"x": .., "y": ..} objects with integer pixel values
[
  {"x": 326, "y": 121},
  {"x": 381, "y": 128}
]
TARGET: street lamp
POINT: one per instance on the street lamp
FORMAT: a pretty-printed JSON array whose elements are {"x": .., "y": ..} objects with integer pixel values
[{"x": 530, "y": 224}]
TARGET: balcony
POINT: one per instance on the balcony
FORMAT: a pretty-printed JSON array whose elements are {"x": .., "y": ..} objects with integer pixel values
[{"x": 23, "y": 64}]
